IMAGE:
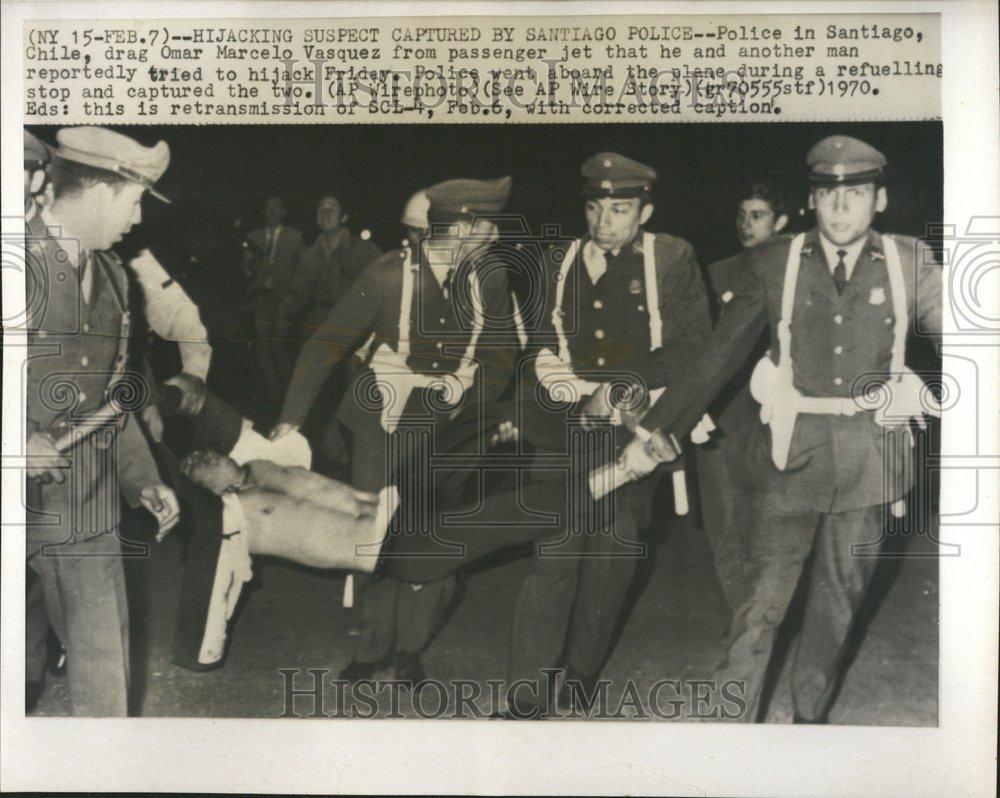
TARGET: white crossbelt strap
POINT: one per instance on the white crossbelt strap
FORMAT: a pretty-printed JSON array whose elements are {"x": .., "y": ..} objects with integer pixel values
[{"x": 390, "y": 366}]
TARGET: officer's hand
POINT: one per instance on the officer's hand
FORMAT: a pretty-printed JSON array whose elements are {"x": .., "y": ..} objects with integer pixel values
[
  {"x": 635, "y": 460},
  {"x": 41, "y": 450},
  {"x": 281, "y": 430},
  {"x": 660, "y": 448},
  {"x": 193, "y": 392},
  {"x": 598, "y": 405},
  {"x": 154, "y": 422},
  {"x": 162, "y": 503},
  {"x": 505, "y": 433}
]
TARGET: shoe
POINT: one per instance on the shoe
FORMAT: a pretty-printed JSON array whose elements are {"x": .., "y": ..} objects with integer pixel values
[
  {"x": 574, "y": 687},
  {"x": 409, "y": 668},
  {"x": 32, "y": 692},
  {"x": 357, "y": 671}
]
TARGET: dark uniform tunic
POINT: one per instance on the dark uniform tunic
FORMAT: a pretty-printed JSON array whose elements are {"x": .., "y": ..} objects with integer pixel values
[
  {"x": 77, "y": 355},
  {"x": 841, "y": 470}
]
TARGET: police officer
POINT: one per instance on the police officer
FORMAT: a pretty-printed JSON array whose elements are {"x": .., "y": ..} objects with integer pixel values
[
  {"x": 78, "y": 339},
  {"x": 837, "y": 301},
  {"x": 433, "y": 316},
  {"x": 724, "y": 481},
  {"x": 628, "y": 311}
]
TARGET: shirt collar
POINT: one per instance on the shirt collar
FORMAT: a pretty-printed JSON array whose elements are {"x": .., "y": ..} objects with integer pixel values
[
  {"x": 439, "y": 260},
  {"x": 852, "y": 253}
]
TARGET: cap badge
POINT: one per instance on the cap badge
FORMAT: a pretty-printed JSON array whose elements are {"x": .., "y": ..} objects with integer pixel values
[
  {"x": 838, "y": 168},
  {"x": 607, "y": 163},
  {"x": 606, "y": 184}
]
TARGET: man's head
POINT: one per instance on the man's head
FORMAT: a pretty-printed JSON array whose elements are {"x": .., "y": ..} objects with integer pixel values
[
  {"x": 98, "y": 179},
  {"x": 762, "y": 213},
  {"x": 846, "y": 188},
  {"x": 618, "y": 198},
  {"x": 331, "y": 214},
  {"x": 460, "y": 209},
  {"x": 211, "y": 470},
  {"x": 274, "y": 211},
  {"x": 414, "y": 218}
]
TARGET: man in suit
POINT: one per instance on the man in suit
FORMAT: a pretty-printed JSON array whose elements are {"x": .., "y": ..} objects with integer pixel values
[
  {"x": 628, "y": 315},
  {"x": 837, "y": 301},
  {"x": 724, "y": 481},
  {"x": 433, "y": 373},
  {"x": 271, "y": 255},
  {"x": 78, "y": 353}
]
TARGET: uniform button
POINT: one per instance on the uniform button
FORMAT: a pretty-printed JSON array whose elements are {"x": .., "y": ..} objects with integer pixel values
[
  {"x": 598, "y": 304},
  {"x": 838, "y": 350},
  {"x": 434, "y": 365},
  {"x": 640, "y": 308},
  {"x": 888, "y": 321},
  {"x": 598, "y": 334},
  {"x": 442, "y": 320},
  {"x": 86, "y": 328},
  {"x": 838, "y": 319},
  {"x": 440, "y": 345},
  {"x": 84, "y": 361},
  {"x": 600, "y": 361},
  {"x": 83, "y": 397},
  {"x": 838, "y": 381}
]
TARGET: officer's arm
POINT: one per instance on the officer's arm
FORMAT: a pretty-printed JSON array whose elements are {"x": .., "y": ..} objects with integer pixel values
[
  {"x": 928, "y": 303},
  {"x": 136, "y": 466},
  {"x": 346, "y": 325},
  {"x": 686, "y": 321},
  {"x": 722, "y": 354}
]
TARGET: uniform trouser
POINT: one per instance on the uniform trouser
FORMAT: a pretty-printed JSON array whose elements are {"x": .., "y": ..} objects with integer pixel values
[
  {"x": 396, "y": 616},
  {"x": 780, "y": 542},
  {"x": 578, "y": 583},
  {"x": 84, "y": 588},
  {"x": 725, "y": 515}
]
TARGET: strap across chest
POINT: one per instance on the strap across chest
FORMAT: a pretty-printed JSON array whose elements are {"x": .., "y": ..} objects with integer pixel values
[{"x": 652, "y": 295}]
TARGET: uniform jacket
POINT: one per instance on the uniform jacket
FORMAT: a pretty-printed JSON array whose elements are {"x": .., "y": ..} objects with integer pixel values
[
  {"x": 607, "y": 324},
  {"x": 734, "y": 410},
  {"x": 323, "y": 277},
  {"x": 78, "y": 350},
  {"x": 840, "y": 344},
  {"x": 271, "y": 268},
  {"x": 439, "y": 333}
]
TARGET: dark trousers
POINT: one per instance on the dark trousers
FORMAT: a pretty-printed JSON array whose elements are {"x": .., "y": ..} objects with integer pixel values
[
  {"x": 779, "y": 543},
  {"x": 271, "y": 345},
  {"x": 84, "y": 589},
  {"x": 36, "y": 628},
  {"x": 577, "y": 586},
  {"x": 725, "y": 515}
]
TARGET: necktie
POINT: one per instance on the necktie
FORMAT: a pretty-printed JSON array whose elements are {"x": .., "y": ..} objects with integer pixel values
[
  {"x": 840, "y": 271},
  {"x": 446, "y": 283}
]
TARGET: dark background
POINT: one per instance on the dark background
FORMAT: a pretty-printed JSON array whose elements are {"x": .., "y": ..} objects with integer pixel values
[{"x": 219, "y": 174}]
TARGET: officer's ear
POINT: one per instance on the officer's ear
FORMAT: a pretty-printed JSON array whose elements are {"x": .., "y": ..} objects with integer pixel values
[
  {"x": 645, "y": 212},
  {"x": 881, "y": 199},
  {"x": 782, "y": 221}
]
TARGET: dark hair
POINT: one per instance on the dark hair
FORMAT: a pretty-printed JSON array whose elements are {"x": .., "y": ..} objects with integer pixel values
[
  {"x": 336, "y": 195},
  {"x": 772, "y": 193},
  {"x": 70, "y": 177}
]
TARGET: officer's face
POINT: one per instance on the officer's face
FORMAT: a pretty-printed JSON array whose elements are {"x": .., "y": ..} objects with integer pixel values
[
  {"x": 111, "y": 213},
  {"x": 213, "y": 471},
  {"x": 329, "y": 215},
  {"x": 844, "y": 213},
  {"x": 614, "y": 221},
  {"x": 756, "y": 222}
]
